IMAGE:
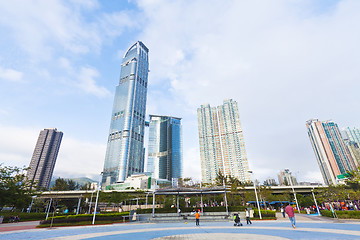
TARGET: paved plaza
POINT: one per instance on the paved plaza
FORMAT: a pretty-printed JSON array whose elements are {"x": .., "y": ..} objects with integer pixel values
[{"x": 306, "y": 228}]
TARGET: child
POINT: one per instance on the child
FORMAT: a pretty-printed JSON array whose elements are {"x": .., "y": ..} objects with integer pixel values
[{"x": 237, "y": 220}]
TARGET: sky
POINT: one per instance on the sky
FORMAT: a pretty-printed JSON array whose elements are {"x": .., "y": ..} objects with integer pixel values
[{"x": 283, "y": 61}]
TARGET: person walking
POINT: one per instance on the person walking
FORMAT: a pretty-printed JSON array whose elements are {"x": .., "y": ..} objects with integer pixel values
[
  {"x": 247, "y": 215},
  {"x": 290, "y": 212},
  {"x": 197, "y": 218},
  {"x": 282, "y": 211}
]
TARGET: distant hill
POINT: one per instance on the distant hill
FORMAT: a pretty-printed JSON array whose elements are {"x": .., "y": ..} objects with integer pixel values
[{"x": 81, "y": 180}]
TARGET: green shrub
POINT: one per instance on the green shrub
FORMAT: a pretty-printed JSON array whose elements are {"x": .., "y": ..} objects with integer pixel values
[
  {"x": 23, "y": 216},
  {"x": 265, "y": 214},
  {"x": 350, "y": 214}
]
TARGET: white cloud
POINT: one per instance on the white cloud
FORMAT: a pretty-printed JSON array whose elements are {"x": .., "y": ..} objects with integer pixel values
[
  {"x": 283, "y": 62},
  {"x": 11, "y": 75},
  {"x": 76, "y": 158},
  {"x": 79, "y": 158},
  {"x": 192, "y": 167},
  {"x": 88, "y": 84},
  {"x": 17, "y": 145},
  {"x": 83, "y": 79},
  {"x": 43, "y": 28},
  {"x": 4, "y": 112}
]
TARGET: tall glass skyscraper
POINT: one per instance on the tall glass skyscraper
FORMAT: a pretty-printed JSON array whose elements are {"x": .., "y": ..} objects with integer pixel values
[
  {"x": 222, "y": 146},
  {"x": 165, "y": 147},
  {"x": 331, "y": 152},
  {"x": 125, "y": 146},
  {"x": 44, "y": 158}
]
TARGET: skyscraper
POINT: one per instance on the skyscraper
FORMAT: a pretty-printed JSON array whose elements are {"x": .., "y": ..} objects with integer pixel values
[
  {"x": 331, "y": 152},
  {"x": 352, "y": 140},
  {"x": 44, "y": 157},
  {"x": 222, "y": 146},
  {"x": 165, "y": 147},
  {"x": 125, "y": 146}
]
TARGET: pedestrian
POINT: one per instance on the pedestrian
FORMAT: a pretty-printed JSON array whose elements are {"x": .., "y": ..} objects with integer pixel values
[
  {"x": 282, "y": 211},
  {"x": 247, "y": 215},
  {"x": 290, "y": 212},
  {"x": 237, "y": 220},
  {"x": 197, "y": 218}
]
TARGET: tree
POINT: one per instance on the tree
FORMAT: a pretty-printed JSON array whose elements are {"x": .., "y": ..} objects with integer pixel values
[
  {"x": 15, "y": 189},
  {"x": 62, "y": 184},
  {"x": 220, "y": 179},
  {"x": 353, "y": 180},
  {"x": 305, "y": 201},
  {"x": 86, "y": 186}
]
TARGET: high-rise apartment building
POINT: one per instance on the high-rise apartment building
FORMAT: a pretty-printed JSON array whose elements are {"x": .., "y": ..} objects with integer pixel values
[
  {"x": 222, "y": 146},
  {"x": 352, "y": 140},
  {"x": 44, "y": 157},
  {"x": 353, "y": 134},
  {"x": 286, "y": 178},
  {"x": 125, "y": 146},
  {"x": 165, "y": 147},
  {"x": 331, "y": 152}
]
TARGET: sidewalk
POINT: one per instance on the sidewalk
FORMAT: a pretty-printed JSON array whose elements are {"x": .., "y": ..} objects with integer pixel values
[{"x": 4, "y": 227}]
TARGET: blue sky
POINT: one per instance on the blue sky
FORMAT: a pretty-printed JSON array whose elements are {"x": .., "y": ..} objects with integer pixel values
[{"x": 284, "y": 62}]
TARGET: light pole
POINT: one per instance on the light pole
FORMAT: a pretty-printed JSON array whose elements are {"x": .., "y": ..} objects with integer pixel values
[
  {"x": 226, "y": 205},
  {"x": 317, "y": 208},
  {"x": 288, "y": 175},
  {"x": 97, "y": 197},
  {"x": 32, "y": 201},
  {"x": 91, "y": 201},
  {"x": 257, "y": 200},
  {"x": 201, "y": 199}
]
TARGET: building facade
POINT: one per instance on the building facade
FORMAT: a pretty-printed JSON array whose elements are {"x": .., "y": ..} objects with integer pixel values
[
  {"x": 165, "y": 147},
  {"x": 44, "y": 158},
  {"x": 352, "y": 140},
  {"x": 222, "y": 145},
  {"x": 286, "y": 178},
  {"x": 332, "y": 154},
  {"x": 125, "y": 145}
]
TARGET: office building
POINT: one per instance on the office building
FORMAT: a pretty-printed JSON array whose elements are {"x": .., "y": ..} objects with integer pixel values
[
  {"x": 222, "y": 146},
  {"x": 165, "y": 147},
  {"x": 125, "y": 145},
  {"x": 44, "y": 158},
  {"x": 332, "y": 154}
]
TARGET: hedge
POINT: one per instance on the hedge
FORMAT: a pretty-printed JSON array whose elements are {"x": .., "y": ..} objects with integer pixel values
[
  {"x": 265, "y": 214},
  {"x": 349, "y": 214},
  {"x": 23, "y": 216},
  {"x": 112, "y": 217}
]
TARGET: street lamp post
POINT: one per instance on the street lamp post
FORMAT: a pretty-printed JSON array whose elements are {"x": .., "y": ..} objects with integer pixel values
[
  {"x": 91, "y": 201},
  {"x": 226, "y": 204},
  {"x": 288, "y": 175},
  {"x": 317, "y": 208},
  {"x": 201, "y": 199},
  {"x": 257, "y": 200},
  {"x": 97, "y": 198},
  {"x": 32, "y": 202}
]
